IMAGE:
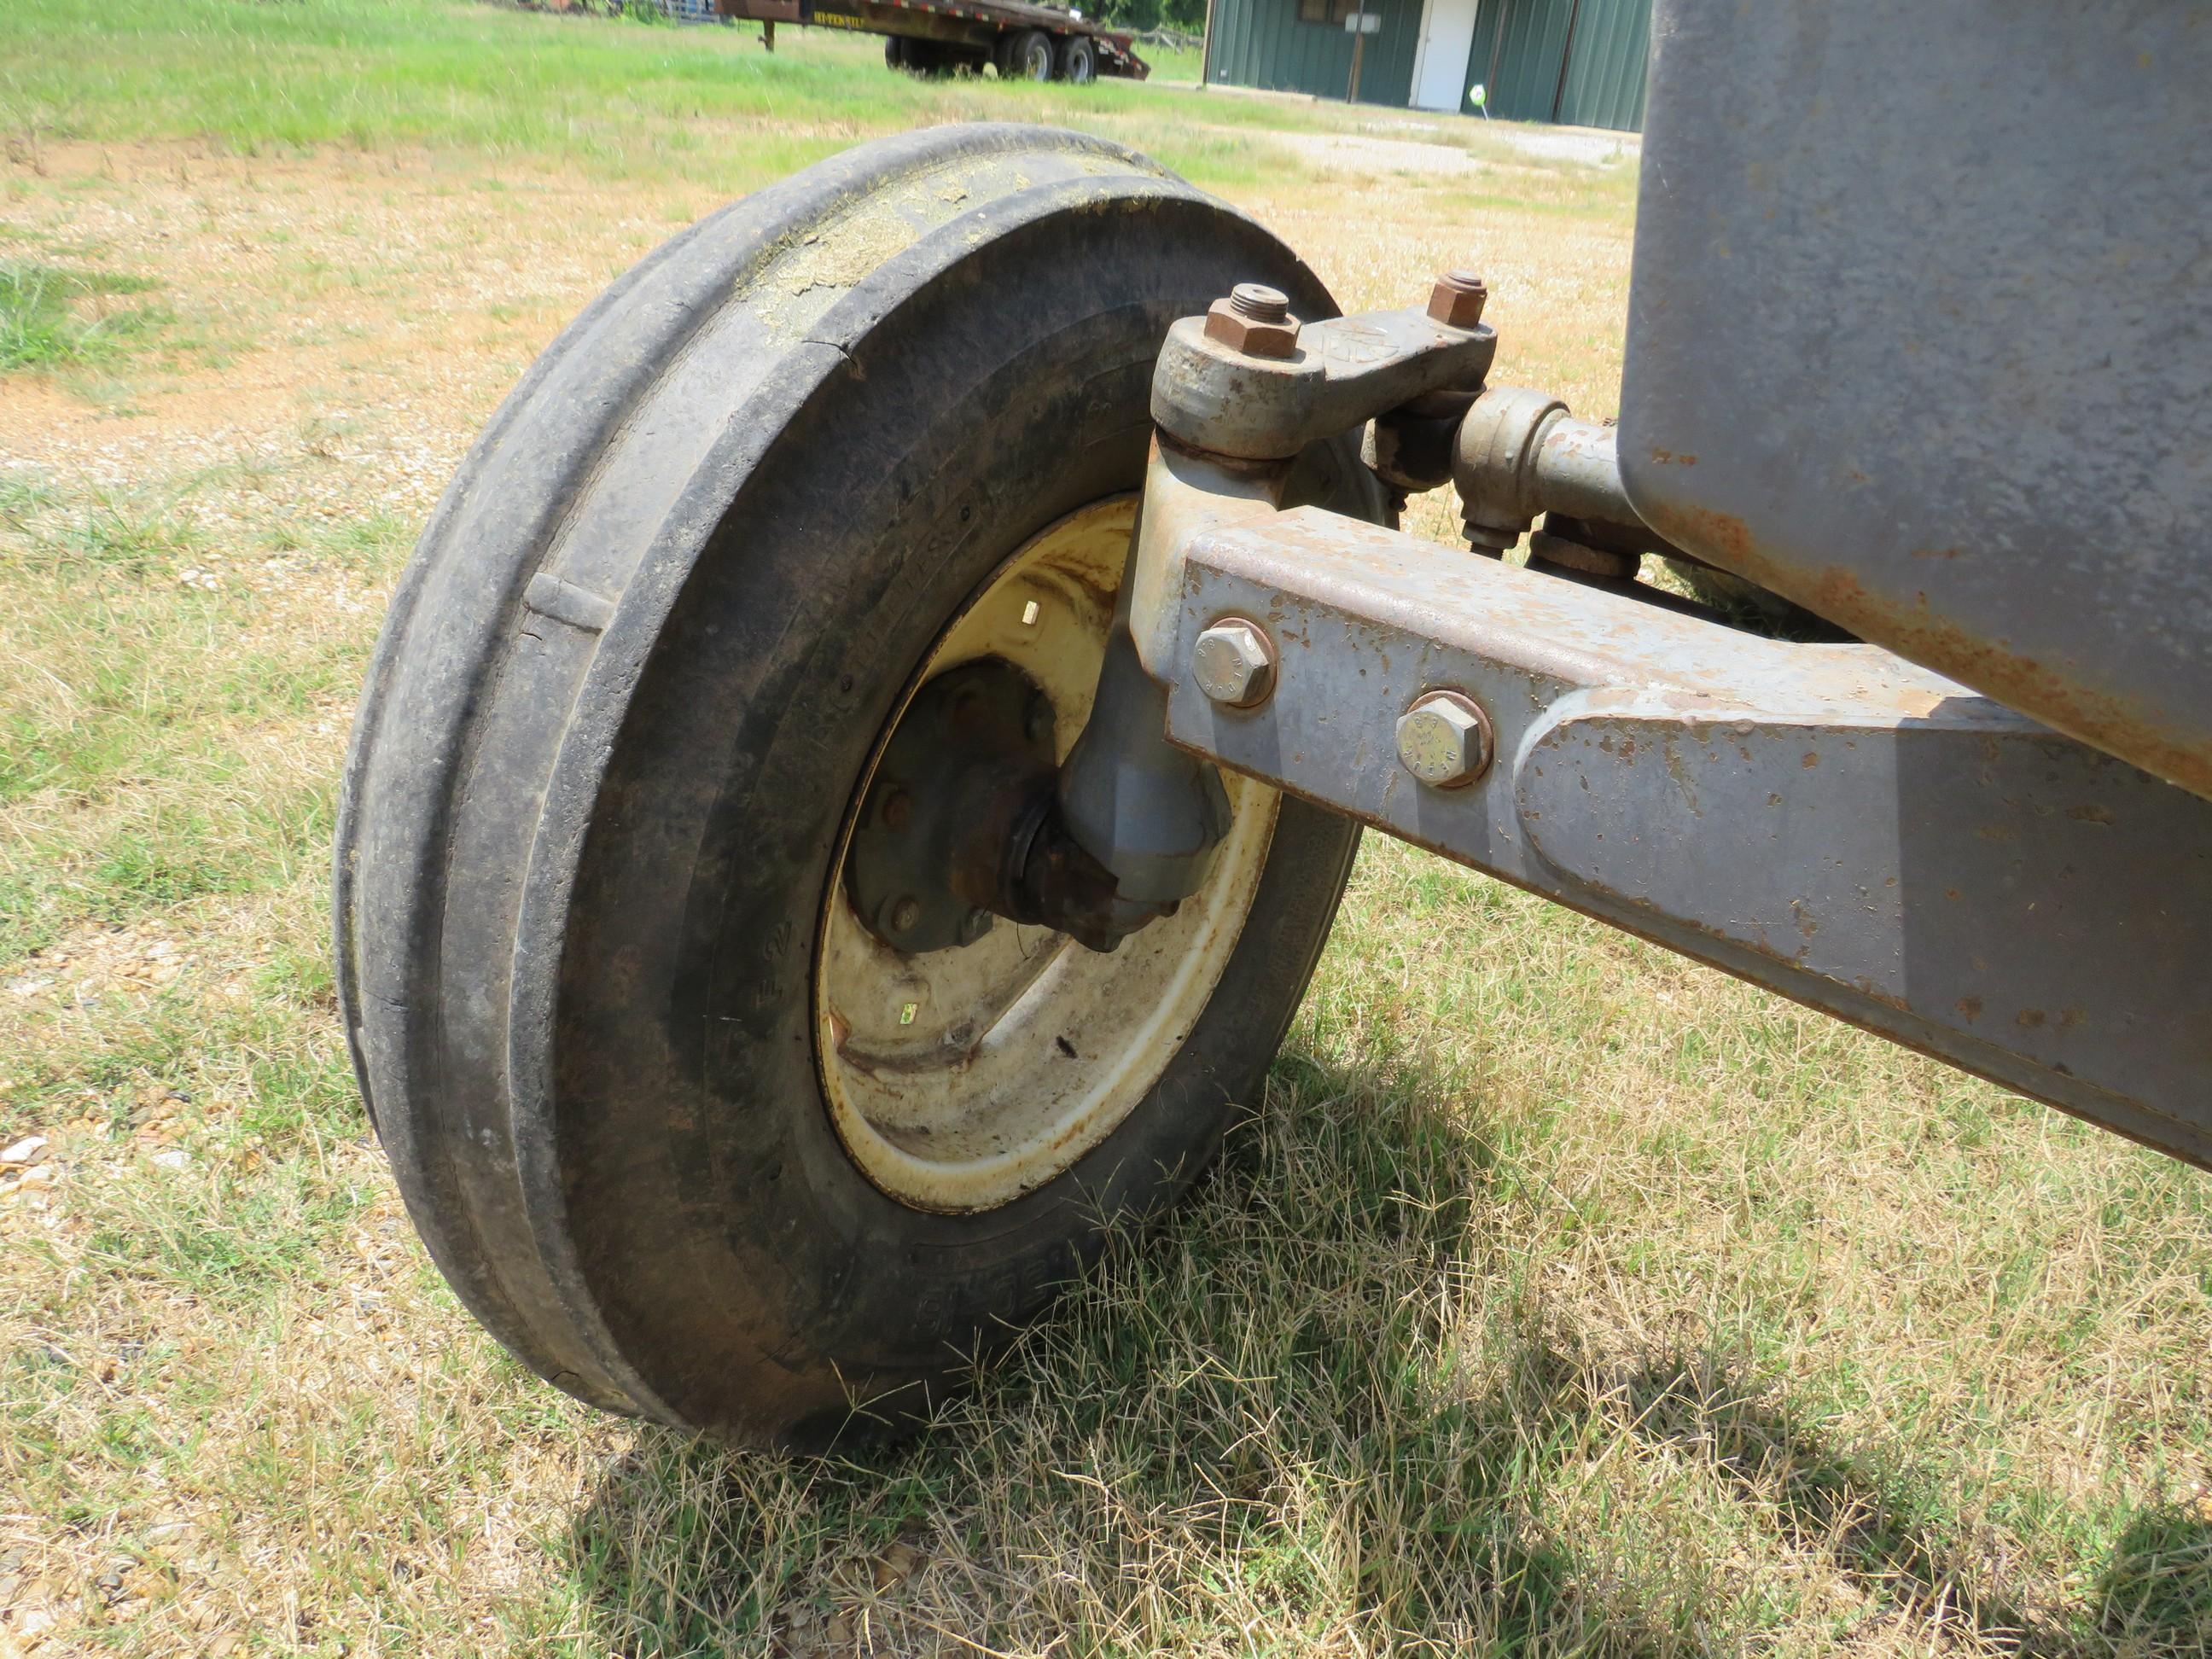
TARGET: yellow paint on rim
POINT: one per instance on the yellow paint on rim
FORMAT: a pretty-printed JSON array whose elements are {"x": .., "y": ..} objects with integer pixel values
[{"x": 959, "y": 1079}]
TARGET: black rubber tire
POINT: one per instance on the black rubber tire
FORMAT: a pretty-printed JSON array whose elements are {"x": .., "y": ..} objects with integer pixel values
[
  {"x": 1077, "y": 60},
  {"x": 1031, "y": 57},
  {"x": 615, "y": 716},
  {"x": 895, "y": 52}
]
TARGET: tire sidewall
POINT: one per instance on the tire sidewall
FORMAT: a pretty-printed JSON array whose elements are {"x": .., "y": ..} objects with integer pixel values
[{"x": 706, "y": 1184}]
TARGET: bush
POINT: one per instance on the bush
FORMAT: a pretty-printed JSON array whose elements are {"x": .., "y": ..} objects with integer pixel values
[{"x": 1186, "y": 16}]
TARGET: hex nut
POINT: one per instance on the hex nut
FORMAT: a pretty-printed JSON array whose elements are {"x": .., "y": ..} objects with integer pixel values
[
  {"x": 1233, "y": 663},
  {"x": 1255, "y": 336},
  {"x": 1457, "y": 300},
  {"x": 1444, "y": 739}
]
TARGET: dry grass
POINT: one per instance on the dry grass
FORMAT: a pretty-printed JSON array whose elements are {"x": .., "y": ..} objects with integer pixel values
[{"x": 1564, "y": 1298}]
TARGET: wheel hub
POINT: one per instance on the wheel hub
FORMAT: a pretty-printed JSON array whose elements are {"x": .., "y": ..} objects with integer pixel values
[
  {"x": 967, "y": 1060},
  {"x": 955, "y": 795}
]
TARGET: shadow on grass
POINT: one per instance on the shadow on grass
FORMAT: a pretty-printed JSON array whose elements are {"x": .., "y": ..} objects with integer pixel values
[
  {"x": 1869, "y": 1513},
  {"x": 1319, "y": 1410}
]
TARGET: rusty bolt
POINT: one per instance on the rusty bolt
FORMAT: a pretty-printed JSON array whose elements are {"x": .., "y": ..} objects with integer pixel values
[
  {"x": 1444, "y": 739},
  {"x": 1457, "y": 300},
  {"x": 1259, "y": 303},
  {"x": 1234, "y": 664},
  {"x": 1255, "y": 320},
  {"x": 904, "y": 914}
]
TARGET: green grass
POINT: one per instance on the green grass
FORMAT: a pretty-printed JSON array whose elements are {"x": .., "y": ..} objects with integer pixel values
[
  {"x": 1563, "y": 1299},
  {"x": 618, "y": 99},
  {"x": 138, "y": 718},
  {"x": 54, "y": 319},
  {"x": 1169, "y": 64}
]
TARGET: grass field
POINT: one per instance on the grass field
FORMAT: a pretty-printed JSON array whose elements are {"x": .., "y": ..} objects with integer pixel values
[{"x": 1562, "y": 1299}]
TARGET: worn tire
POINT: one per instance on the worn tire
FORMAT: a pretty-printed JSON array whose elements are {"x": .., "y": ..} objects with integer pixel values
[
  {"x": 1029, "y": 57},
  {"x": 1077, "y": 60},
  {"x": 618, "y": 711}
]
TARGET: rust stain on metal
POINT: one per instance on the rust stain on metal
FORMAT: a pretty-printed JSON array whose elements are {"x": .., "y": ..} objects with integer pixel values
[
  {"x": 1677, "y": 768},
  {"x": 2116, "y": 725}
]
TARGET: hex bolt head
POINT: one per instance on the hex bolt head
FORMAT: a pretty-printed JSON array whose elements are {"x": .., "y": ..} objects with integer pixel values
[
  {"x": 1255, "y": 320},
  {"x": 904, "y": 914},
  {"x": 1233, "y": 663},
  {"x": 1457, "y": 300},
  {"x": 1444, "y": 739},
  {"x": 975, "y": 925}
]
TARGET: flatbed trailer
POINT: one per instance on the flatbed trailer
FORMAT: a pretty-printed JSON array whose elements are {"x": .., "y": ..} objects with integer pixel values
[{"x": 1031, "y": 43}]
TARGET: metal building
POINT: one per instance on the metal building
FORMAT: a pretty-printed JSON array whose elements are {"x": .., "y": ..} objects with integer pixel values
[{"x": 1578, "y": 61}]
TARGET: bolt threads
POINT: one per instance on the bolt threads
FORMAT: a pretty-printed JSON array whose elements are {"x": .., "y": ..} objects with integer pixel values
[{"x": 1259, "y": 302}]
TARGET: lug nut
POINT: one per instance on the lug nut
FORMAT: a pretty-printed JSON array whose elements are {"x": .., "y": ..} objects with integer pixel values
[
  {"x": 1255, "y": 320},
  {"x": 1444, "y": 739},
  {"x": 1234, "y": 664},
  {"x": 1457, "y": 300}
]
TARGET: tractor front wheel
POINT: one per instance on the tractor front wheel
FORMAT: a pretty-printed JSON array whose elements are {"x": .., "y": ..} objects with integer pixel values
[{"x": 706, "y": 1104}]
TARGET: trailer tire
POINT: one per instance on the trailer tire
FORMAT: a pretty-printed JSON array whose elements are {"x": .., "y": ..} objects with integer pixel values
[
  {"x": 1029, "y": 56},
  {"x": 1078, "y": 59},
  {"x": 604, "y": 771}
]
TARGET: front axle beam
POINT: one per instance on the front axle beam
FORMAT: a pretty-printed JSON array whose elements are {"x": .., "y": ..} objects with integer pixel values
[{"x": 1828, "y": 821}]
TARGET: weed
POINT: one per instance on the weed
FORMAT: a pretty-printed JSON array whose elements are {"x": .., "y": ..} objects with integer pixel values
[{"x": 52, "y": 320}]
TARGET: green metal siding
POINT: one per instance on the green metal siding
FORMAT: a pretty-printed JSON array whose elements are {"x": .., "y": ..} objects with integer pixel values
[
  {"x": 1604, "y": 66},
  {"x": 1519, "y": 53},
  {"x": 1578, "y": 61},
  {"x": 1261, "y": 43}
]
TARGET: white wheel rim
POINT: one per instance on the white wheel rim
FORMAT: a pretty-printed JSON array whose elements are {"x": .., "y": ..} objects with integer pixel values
[{"x": 959, "y": 1079}]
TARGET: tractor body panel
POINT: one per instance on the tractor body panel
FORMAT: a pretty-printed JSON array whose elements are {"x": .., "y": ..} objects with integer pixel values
[{"x": 1921, "y": 337}]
